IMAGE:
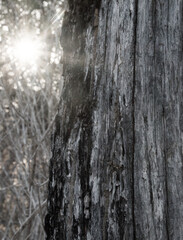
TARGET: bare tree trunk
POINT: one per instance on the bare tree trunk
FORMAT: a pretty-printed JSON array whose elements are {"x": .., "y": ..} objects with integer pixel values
[{"x": 116, "y": 170}]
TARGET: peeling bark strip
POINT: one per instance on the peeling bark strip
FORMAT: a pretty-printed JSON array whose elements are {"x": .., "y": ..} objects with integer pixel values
[{"x": 116, "y": 170}]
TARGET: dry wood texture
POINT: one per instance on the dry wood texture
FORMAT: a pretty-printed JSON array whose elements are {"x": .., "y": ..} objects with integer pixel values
[{"x": 116, "y": 170}]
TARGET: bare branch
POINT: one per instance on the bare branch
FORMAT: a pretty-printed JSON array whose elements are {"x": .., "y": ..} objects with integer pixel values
[{"x": 24, "y": 224}]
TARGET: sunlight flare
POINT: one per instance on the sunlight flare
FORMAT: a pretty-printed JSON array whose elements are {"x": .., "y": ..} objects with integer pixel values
[{"x": 27, "y": 51}]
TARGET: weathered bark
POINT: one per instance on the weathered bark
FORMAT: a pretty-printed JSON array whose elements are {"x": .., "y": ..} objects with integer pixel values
[{"x": 116, "y": 170}]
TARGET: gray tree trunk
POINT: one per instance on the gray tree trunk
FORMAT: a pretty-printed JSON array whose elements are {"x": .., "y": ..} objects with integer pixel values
[{"x": 117, "y": 165}]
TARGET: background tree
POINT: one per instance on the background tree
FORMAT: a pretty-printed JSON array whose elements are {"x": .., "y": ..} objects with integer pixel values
[{"x": 116, "y": 166}]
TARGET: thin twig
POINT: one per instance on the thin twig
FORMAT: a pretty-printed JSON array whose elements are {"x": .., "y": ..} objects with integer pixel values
[
  {"x": 9, "y": 223},
  {"x": 42, "y": 184},
  {"x": 41, "y": 213},
  {"x": 24, "y": 224},
  {"x": 46, "y": 132}
]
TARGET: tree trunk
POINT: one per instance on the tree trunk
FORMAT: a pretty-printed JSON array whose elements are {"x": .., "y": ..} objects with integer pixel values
[{"x": 116, "y": 171}]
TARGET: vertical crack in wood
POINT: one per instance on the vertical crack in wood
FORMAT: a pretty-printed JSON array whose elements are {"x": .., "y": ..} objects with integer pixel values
[
  {"x": 133, "y": 114},
  {"x": 166, "y": 176},
  {"x": 149, "y": 160},
  {"x": 107, "y": 19},
  {"x": 164, "y": 144},
  {"x": 165, "y": 158}
]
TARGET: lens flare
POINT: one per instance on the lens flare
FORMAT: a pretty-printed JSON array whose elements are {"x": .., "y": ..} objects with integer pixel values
[{"x": 27, "y": 51}]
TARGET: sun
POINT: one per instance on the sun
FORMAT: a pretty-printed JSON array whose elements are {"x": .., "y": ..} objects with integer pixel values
[{"x": 27, "y": 51}]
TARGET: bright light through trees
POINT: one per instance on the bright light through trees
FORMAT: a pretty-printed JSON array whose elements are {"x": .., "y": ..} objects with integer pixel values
[
  {"x": 30, "y": 86},
  {"x": 27, "y": 51}
]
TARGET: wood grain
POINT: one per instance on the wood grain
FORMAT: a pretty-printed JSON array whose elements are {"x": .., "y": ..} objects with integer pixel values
[{"x": 116, "y": 170}]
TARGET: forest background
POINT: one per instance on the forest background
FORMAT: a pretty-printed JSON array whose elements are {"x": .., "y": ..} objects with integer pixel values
[{"x": 30, "y": 86}]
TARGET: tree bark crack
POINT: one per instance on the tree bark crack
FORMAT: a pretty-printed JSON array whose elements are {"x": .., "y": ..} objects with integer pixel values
[{"x": 133, "y": 113}]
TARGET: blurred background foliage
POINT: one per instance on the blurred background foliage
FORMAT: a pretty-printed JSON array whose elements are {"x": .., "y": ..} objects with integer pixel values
[{"x": 29, "y": 95}]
